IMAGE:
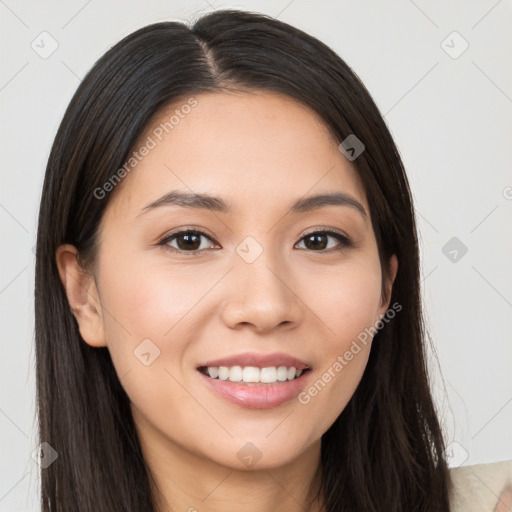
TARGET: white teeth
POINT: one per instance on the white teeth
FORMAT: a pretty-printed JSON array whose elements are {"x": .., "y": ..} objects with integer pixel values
[
  {"x": 235, "y": 374},
  {"x": 268, "y": 374},
  {"x": 253, "y": 374},
  {"x": 223, "y": 373},
  {"x": 282, "y": 373}
]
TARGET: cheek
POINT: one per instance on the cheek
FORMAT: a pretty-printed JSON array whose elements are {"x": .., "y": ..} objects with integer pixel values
[
  {"x": 347, "y": 304},
  {"x": 346, "y": 300},
  {"x": 149, "y": 300},
  {"x": 148, "y": 324},
  {"x": 156, "y": 313}
]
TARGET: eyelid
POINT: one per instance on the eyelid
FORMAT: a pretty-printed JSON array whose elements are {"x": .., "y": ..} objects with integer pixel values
[
  {"x": 196, "y": 229},
  {"x": 325, "y": 229}
]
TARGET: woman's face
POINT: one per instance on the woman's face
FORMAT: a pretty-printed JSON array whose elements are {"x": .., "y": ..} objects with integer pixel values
[{"x": 261, "y": 279}]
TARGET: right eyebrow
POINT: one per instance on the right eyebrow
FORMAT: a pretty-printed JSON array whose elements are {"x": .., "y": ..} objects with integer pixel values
[{"x": 189, "y": 200}]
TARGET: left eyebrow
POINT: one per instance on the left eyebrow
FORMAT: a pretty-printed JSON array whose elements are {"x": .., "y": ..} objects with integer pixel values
[
  {"x": 217, "y": 204},
  {"x": 334, "y": 199}
]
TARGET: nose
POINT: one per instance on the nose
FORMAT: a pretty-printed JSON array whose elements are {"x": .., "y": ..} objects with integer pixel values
[{"x": 260, "y": 295}]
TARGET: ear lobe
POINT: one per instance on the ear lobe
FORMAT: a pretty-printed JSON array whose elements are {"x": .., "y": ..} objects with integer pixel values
[{"x": 82, "y": 295}]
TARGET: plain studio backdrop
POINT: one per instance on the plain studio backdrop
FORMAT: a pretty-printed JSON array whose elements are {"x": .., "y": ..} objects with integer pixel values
[{"x": 439, "y": 72}]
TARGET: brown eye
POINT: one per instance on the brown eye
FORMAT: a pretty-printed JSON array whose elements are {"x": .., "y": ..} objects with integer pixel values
[
  {"x": 186, "y": 241},
  {"x": 319, "y": 240}
]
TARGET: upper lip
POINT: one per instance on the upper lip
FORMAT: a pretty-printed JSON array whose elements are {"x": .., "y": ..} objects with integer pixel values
[{"x": 258, "y": 360}]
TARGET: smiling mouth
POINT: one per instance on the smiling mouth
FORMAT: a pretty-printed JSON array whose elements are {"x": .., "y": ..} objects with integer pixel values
[{"x": 252, "y": 375}]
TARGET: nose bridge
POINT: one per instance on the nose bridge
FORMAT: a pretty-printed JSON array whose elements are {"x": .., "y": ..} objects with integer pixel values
[
  {"x": 259, "y": 270},
  {"x": 260, "y": 294}
]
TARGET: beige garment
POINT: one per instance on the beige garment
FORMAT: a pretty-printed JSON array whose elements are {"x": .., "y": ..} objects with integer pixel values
[{"x": 482, "y": 488}]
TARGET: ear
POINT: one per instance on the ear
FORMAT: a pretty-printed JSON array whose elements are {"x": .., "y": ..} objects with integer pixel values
[
  {"x": 82, "y": 296},
  {"x": 386, "y": 293}
]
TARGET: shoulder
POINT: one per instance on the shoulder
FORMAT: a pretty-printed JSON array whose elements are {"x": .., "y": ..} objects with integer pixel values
[{"x": 482, "y": 487}]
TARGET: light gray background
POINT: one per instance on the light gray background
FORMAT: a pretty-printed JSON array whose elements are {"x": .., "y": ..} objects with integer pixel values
[{"x": 451, "y": 118}]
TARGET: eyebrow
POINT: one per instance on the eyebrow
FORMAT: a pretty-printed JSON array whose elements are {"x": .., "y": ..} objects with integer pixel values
[{"x": 216, "y": 204}]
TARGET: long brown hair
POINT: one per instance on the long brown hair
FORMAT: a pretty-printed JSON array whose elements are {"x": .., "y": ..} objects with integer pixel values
[{"x": 385, "y": 451}]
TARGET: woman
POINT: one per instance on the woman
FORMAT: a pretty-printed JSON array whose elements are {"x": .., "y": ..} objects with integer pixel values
[{"x": 228, "y": 312}]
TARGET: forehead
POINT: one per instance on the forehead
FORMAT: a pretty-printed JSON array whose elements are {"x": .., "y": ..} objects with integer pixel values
[{"x": 252, "y": 148}]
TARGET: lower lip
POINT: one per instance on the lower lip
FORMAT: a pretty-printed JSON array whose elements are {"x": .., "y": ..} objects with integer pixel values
[{"x": 257, "y": 396}]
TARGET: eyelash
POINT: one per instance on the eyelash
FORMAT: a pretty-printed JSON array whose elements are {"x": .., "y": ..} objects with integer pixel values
[{"x": 345, "y": 242}]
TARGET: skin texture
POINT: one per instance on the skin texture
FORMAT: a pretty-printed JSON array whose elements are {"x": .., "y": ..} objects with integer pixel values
[{"x": 260, "y": 152}]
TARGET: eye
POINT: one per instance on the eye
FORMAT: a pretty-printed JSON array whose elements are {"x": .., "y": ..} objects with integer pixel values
[
  {"x": 318, "y": 241},
  {"x": 187, "y": 240}
]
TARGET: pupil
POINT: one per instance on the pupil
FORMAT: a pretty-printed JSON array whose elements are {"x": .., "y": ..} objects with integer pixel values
[
  {"x": 315, "y": 244},
  {"x": 192, "y": 242}
]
